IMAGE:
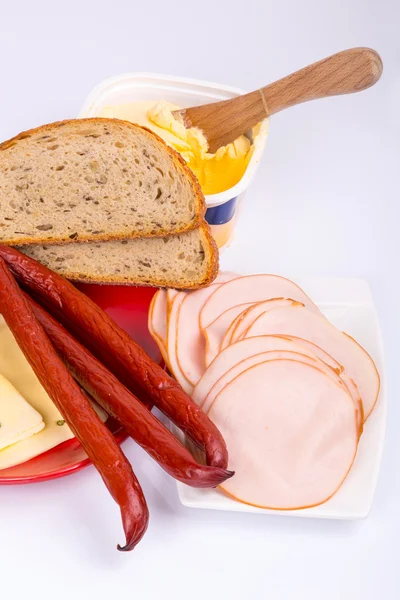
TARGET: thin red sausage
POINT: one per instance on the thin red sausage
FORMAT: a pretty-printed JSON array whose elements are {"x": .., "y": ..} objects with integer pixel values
[
  {"x": 117, "y": 351},
  {"x": 96, "y": 439},
  {"x": 120, "y": 403}
]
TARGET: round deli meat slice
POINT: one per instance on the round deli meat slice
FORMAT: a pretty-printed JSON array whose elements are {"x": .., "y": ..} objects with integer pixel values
[
  {"x": 172, "y": 321},
  {"x": 227, "y": 339},
  {"x": 191, "y": 345},
  {"x": 254, "y": 311},
  {"x": 291, "y": 435},
  {"x": 224, "y": 276},
  {"x": 157, "y": 322},
  {"x": 158, "y": 316},
  {"x": 255, "y": 360},
  {"x": 342, "y": 381},
  {"x": 171, "y": 293},
  {"x": 318, "y": 351},
  {"x": 190, "y": 342},
  {"x": 252, "y": 289},
  {"x": 338, "y": 368},
  {"x": 236, "y": 353},
  {"x": 300, "y": 322},
  {"x": 215, "y": 332}
]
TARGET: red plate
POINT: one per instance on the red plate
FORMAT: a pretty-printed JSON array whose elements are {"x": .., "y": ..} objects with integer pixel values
[{"x": 128, "y": 306}]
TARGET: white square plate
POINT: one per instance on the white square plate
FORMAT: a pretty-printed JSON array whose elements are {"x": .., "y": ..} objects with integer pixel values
[{"x": 348, "y": 304}]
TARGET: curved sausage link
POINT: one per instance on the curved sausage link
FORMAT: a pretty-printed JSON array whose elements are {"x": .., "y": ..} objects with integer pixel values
[
  {"x": 118, "y": 402},
  {"x": 96, "y": 439},
  {"x": 118, "y": 351}
]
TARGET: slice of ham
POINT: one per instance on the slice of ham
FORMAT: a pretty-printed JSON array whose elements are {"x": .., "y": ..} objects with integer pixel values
[
  {"x": 299, "y": 321},
  {"x": 215, "y": 332},
  {"x": 191, "y": 345},
  {"x": 229, "y": 333},
  {"x": 338, "y": 369},
  {"x": 252, "y": 288},
  {"x": 157, "y": 322},
  {"x": 224, "y": 276},
  {"x": 171, "y": 293},
  {"x": 255, "y": 310},
  {"x": 160, "y": 311},
  {"x": 232, "y": 355},
  {"x": 158, "y": 316},
  {"x": 150, "y": 317},
  {"x": 227, "y": 339},
  {"x": 172, "y": 342},
  {"x": 342, "y": 381},
  {"x": 291, "y": 434},
  {"x": 250, "y": 362},
  {"x": 318, "y": 351}
]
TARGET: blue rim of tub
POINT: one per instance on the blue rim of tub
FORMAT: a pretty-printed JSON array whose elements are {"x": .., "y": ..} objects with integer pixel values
[{"x": 223, "y": 213}]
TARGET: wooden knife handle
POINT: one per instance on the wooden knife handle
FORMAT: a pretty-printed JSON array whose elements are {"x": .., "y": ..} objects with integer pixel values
[
  {"x": 343, "y": 73},
  {"x": 349, "y": 71}
]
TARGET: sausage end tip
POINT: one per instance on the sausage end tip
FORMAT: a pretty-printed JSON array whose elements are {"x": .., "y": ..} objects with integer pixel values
[{"x": 126, "y": 548}]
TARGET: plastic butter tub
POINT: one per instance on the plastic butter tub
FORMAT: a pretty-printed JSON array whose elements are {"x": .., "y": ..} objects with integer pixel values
[{"x": 222, "y": 208}]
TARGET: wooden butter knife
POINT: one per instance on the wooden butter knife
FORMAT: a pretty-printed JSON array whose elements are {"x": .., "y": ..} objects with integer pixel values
[{"x": 346, "y": 72}]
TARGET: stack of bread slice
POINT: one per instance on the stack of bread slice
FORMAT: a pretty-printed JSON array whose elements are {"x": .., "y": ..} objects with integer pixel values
[{"x": 105, "y": 201}]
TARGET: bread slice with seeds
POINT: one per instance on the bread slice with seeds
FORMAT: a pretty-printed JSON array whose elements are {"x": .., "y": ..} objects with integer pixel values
[
  {"x": 94, "y": 179},
  {"x": 184, "y": 261}
]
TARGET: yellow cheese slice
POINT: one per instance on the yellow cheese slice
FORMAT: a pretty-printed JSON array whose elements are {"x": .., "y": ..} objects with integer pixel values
[
  {"x": 18, "y": 420},
  {"x": 15, "y": 368}
]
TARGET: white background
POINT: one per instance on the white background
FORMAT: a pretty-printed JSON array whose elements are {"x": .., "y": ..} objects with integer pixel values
[{"x": 325, "y": 202}]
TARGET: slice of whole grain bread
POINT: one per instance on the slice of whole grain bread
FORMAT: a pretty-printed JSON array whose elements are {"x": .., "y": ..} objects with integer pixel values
[
  {"x": 94, "y": 179},
  {"x": 184, "y": 261}
]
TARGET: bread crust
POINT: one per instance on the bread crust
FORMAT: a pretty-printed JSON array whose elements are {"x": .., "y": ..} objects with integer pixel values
[
  {"x": 211, "y": 250},
  {"x": 176, "y": 157}
]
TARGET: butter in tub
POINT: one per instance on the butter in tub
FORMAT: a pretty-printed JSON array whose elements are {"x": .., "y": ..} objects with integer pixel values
[{"x": 216, "y": 172}]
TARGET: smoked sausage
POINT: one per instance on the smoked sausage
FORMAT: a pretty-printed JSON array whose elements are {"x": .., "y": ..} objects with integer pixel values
[
  {"x": 121, "y": 404},
  {"x": 117, "y": 351},
  {"x": 96, "y": 439}
]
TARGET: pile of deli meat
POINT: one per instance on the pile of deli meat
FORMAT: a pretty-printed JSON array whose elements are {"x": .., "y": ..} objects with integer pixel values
[{"x": 288, "y": 391}]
